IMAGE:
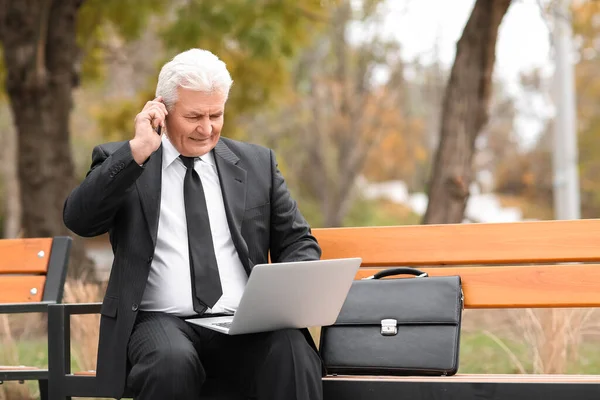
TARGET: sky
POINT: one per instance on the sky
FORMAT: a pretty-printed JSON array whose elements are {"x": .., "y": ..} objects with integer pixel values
[
  {"x": 523, "y": 44},
  {"x": 523, "y": 39}
]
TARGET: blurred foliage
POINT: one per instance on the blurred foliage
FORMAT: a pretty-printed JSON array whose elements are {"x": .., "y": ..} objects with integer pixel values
[
  {"x": 586, "y": 26},
  {"x": 256, "y": 39},
  {"x": 381, "y": 212},
  {"x": 522, "y": 178},
  {"x": 116, "y": 119},
  {"x": 101, "y": 21},
  {"x": 528, "y": 174},
  {"x": 346, "y": 118},
  {"x": 401, "y": 151},
  {"x": 3, "y": 94}
]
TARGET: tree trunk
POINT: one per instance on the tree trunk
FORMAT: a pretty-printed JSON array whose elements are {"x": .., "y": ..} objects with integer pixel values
[
  {"x": 12, "y": 198},
  {"x": 41, "y": 55},
  {"x": 464, "y": 113}
]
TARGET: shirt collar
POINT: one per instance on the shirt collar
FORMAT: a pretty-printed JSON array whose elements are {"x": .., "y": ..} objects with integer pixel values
[{"x": 171, "y": 154}]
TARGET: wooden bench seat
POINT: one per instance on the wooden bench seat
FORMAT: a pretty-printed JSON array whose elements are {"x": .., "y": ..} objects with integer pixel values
[
  {"x": 517, "y": 265},
  {"x": 476, "y": 378},
  {"x": 32, "y": 276}
]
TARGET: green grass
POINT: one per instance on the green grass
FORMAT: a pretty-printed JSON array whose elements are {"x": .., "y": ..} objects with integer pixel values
[
  {"x": 588, "y": 360},
  {"x": 32, "y": 353},
  {"x": 480, "y": 354}
]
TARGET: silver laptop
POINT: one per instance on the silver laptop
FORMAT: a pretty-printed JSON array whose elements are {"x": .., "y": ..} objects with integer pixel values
[{"x": 289, "y": 295}]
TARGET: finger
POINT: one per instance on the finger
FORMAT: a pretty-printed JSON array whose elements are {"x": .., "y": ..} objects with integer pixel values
[
  {"x": 155, "y": 116},
  {"x": 158, "y": 121},
  {"x": 154, "y": 107},
  {"x": 154, "y": 101},
  {"x": 163, "y": 107},
  {"x": 157, "y": 101},
  {"x": 157, "y": 107}
]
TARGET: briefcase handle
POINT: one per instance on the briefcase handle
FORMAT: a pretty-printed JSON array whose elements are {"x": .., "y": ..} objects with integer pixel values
[{"x": 399, "y": 271}]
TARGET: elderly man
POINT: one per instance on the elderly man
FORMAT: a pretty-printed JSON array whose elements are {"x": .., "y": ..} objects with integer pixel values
[{"x": 189, "y": 213}]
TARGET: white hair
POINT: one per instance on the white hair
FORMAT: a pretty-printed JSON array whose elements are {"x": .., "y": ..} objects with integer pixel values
[{"x": 194, "y": 69}]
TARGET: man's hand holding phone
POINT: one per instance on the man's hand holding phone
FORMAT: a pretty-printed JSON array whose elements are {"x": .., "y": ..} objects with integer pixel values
[{"x": 146, "y": 140}]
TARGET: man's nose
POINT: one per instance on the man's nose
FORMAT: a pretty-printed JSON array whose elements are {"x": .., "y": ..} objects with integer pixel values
[{"x": 204, "y": 126}]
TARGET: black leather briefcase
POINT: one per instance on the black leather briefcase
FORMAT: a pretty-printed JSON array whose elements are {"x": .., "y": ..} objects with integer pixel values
[{"x": 396, "y": 326}]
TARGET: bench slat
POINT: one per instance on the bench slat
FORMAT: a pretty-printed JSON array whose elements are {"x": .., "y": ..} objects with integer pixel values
[
  {"x": 85, "y": 373},
  {"x": 476, "y": 378},
  {"x": 523, "y": 286},
  {"x": 455, "y": 378},
  {"x": 17, "y": 289},
  {"x": 22, "y": 256},
  {"x": 17, "y": 368},
  {"x": 459, "y": 244}
]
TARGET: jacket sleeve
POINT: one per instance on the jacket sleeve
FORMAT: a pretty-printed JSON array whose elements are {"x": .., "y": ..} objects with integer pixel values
[
  {"x": 90, "y": 208},
  {"x": 291, "y": 238}
]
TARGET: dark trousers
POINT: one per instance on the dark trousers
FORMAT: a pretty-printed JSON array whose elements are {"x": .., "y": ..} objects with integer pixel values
[{"x": 170, "y": 359}]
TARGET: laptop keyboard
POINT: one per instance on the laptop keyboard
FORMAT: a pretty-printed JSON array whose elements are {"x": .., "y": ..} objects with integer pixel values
[{"x": 223, "y": 324}]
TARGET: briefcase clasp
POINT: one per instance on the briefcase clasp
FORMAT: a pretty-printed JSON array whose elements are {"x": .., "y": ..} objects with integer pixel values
[{"x": 389, "y": 327}]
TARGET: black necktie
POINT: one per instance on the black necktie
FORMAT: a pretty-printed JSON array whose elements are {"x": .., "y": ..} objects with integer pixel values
[{"x": 206, "y": 284}]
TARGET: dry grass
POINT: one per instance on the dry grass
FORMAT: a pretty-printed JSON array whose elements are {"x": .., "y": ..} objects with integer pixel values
[
  {"x": 84, "y": 337},
  {"x": 553, "y": 336},
  {"x": 16, "y": 391},
  {"x": 10, "y": 356},
  {"x": 84, "y": 328}
]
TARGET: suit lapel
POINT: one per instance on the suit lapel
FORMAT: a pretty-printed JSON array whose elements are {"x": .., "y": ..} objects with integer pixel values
[
  {"x": 233, "y": 186},
  {"x": 149, "y": 186},
  {"x": 233, "y": 183}
]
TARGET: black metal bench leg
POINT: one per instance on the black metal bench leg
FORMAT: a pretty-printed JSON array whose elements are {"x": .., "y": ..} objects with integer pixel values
[
  {"x": 59, "y": 356},
  {"x": 56, "y": 391},
  {"x": 43, "y": 385}
]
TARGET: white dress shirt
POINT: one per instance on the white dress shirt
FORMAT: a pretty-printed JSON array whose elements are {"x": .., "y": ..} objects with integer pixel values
[{"x": 169, "y": 287}]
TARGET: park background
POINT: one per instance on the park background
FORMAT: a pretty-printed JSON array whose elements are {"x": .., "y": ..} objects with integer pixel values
[{"x": 381, "y": 112}]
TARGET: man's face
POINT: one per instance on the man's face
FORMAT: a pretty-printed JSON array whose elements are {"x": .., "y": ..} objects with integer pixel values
[{"x": 194, "y": 123}]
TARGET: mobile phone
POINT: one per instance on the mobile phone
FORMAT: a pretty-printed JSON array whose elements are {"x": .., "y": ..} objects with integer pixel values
[{"x": 159, "y": 128}]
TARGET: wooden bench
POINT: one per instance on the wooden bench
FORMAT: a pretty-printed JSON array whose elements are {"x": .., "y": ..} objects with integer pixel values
[
  {"x": 543, "y": 264},
  {"x": 516, "y": 265},
  {"x": 32, "y": 276}
]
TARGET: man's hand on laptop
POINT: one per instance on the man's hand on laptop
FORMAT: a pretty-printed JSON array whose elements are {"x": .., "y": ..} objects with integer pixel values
[{"x": 229, "y": 310}]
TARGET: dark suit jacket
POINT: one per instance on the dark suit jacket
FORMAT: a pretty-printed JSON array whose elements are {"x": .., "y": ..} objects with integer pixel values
[{"x": 122, "y": 198}]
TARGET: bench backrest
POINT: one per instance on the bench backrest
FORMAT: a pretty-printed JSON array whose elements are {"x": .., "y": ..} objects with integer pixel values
[
  {"x": 33, "y": 270},
  {"x": 508, "y": 265}
]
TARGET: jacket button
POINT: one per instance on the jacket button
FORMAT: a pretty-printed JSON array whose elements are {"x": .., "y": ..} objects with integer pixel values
[
  {"x": 149, "y": 259},
  {"x": 134, "y": 307}
]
